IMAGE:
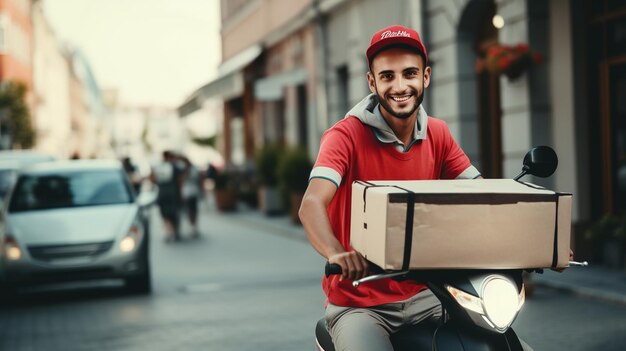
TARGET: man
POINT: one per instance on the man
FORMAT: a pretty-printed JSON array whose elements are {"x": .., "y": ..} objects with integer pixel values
[
  {"x": 132, "y": 172},
  {"x": 192, "y": 191},
  {"x": 167, "y": 176},
  {"x": 387, "y": 136}
]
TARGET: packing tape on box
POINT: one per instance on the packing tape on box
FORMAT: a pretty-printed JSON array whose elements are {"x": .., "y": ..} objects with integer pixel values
[{"x": 408, "y": 229}]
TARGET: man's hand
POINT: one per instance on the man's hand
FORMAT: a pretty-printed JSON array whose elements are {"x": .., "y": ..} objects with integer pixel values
[{"x": 353, "y": 265}]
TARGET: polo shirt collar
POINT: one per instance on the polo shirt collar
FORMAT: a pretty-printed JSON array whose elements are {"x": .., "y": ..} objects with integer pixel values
[
  {"x": 368, "y": 112},
  {"x": 385, "y": 134}
]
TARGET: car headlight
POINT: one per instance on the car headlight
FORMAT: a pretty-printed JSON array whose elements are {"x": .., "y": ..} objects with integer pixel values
[
  {"x": 12, "y": 250},
  {"x": 498, "y": 303},
  {"x": 130, "y": 241}
]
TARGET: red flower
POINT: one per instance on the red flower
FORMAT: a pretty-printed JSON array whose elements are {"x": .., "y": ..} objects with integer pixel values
[
  {"x": 504, "y": 59},
  {"x": 504, "y": 63},
  {"x": 494, "y": 51},
  {"x": 480, "y": 65},
  {"x": 521, "y": 47}
]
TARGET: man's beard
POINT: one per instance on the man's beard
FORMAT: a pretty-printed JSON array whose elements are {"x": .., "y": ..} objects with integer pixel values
[{"x": 401, "y": 115}]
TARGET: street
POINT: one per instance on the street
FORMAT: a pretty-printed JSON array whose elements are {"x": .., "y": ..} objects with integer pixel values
[{"x": 247, "y": 285}]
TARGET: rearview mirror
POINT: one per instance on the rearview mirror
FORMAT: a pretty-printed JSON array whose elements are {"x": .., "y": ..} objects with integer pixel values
[{"x": 540, "y": 161}]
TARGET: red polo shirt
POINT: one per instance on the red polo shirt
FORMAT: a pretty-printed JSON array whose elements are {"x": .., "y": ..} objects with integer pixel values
[{"x": 351, "y": 149}]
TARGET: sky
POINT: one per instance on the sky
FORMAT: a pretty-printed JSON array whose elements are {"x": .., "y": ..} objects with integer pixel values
[{"x": 155, "y": 52}]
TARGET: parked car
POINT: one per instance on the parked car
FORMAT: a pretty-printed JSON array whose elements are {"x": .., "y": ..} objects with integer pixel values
[
  {"x": 10, "y": 163},
  {"x": 75, "y": 220},
  {"x": 8, "y": 175},
  {"x": 25, "y": 156}
]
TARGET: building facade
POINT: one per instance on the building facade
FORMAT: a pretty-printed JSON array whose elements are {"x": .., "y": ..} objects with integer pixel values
[
  {"x": 16, "y": 60},
  {"x": 89, "y": 116},
  {"x": 51, "y": 86},
  {"x": 305, "y": 67},
  {"x": 63, "y": 97},
  {"x": 16, "y": 41}
]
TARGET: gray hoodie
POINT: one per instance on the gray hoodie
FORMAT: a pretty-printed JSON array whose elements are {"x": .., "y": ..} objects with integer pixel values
[{"x": 367, "y": 112}]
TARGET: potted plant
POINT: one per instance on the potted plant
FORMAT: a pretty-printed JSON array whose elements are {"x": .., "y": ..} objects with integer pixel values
[
  {"x": 511, "y": 60},
  {"x": 225, "y": 191},
  {"x": 608, "y": 235},
  {"x": 293, "y": 172},
  {"x": 266, "y": 162}
]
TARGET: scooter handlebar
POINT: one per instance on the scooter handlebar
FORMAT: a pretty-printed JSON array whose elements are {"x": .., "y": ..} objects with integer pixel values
[
  {"x": 335, "y": 269},
  {"x": 332, "y": 269}
]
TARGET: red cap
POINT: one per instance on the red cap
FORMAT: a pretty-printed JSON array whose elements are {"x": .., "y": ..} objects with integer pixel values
[{"x": 395, "y": 35}]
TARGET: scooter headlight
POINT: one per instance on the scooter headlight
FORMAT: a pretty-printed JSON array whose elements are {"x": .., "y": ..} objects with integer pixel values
[
  {"x": 496, "y": 306},
  {"x": 468, "y": 301},
  {"x": 501, "y": 302}
]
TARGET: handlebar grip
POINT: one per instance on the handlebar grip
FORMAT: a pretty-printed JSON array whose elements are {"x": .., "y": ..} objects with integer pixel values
[{"x": 332, "y": 268}]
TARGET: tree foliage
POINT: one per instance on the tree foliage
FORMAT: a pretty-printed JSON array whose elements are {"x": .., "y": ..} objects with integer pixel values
[
  {"x": 15, "y": 115},
  {"x": 209, "y": 141},
  {"x": 266, "y": 160},
  {"x": 294, "y": 169}
]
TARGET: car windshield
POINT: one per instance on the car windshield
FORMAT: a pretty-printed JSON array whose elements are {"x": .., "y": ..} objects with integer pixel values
[{"x": 75, "y": 189}]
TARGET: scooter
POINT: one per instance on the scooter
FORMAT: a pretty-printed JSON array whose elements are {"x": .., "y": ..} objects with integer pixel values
[{"x": 478, "y": 306}]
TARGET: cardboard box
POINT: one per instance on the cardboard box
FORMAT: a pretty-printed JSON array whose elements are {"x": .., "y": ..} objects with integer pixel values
[{"x": 483, "y": 223}]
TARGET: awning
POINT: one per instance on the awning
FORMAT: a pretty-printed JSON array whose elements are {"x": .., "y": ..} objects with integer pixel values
[
  {"x": 227, "y": 85},
  {"x": 272, "y": 88}
]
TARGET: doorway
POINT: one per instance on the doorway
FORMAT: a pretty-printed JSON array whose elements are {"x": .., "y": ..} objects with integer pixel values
[
  {"x": 607, "y": 89},
  {"x": 613, "y": 126},
  {"x": 487, "y": 92}
]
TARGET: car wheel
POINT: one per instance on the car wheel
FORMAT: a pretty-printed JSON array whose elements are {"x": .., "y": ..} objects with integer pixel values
[
  {"x": 7, "y": 293},
  {"x": 140, "y": 284}
]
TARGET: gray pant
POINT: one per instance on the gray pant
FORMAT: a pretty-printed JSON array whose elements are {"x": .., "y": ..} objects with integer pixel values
[{"x": 366, "y": 329}]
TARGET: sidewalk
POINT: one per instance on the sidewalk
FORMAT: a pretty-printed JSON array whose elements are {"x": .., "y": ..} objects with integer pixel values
[
  {"x": 277, "y": 224},
  {"x": 590, "y": 282}
]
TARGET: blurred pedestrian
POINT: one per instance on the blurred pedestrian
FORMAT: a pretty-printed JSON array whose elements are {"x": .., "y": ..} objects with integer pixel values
[
  {"x": 132, "y": 172},
  {"x": 211, "y": 171},
  {"x": 192, "y": 192},
  {"x": 168, "y": 177}
]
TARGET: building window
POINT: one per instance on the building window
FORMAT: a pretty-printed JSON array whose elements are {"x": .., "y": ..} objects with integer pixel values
[
  {"x": 303, "y": 134},
  {"x": 342, "y": 90}
]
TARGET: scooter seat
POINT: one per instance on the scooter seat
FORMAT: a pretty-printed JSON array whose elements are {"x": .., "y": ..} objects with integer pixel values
[{"x": 412, "y": 338}]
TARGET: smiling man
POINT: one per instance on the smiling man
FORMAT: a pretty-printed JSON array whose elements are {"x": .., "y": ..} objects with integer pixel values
[{"x": 386, "y": 136}]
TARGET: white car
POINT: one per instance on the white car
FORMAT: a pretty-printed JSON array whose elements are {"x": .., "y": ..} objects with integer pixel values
[
  {"x": 75, "y": 220},
  {"x": 10, "y": 163}
]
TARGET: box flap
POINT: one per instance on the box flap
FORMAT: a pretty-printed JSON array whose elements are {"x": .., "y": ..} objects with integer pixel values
[{"x": 459, "y": 186}]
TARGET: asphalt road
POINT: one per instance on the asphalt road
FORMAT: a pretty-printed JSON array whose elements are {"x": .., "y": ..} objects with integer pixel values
[{"x": 243, "y": 286}]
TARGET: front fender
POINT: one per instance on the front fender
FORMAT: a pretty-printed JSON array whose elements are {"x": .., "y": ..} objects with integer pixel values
[{"x": 449, "y": 337}]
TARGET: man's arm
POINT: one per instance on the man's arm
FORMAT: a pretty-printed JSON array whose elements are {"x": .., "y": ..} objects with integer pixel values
[{"x": 317, "y": 226}]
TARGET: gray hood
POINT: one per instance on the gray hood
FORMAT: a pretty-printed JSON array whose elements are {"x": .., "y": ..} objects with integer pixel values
[{"x": 367, "y": 113}]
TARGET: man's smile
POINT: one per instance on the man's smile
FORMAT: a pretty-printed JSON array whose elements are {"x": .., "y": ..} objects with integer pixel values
[{"x": 401, "y": 98}]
